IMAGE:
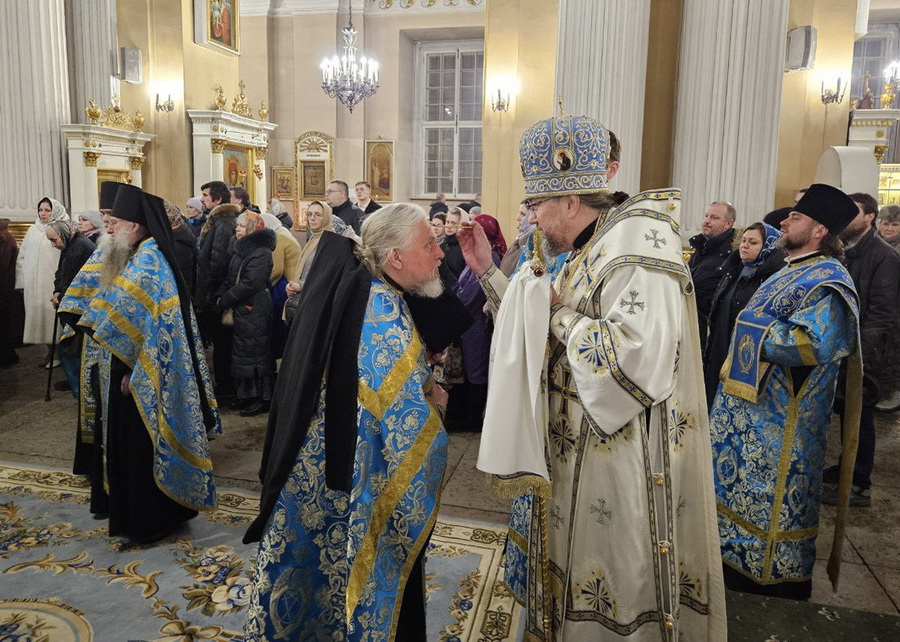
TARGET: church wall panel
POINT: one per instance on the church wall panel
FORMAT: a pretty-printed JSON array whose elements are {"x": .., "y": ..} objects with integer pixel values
[{"x": 804, "y": 130}]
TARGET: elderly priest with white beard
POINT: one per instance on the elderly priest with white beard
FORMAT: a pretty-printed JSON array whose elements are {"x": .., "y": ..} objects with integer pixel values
[
  {"x": 154, "y": 382},
  {"x": 355, "y": 451}
]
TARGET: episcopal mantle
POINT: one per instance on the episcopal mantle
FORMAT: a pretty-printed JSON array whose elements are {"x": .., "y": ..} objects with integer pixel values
[
  {"x": 98, "y": 153},
  {"x": 231, "y": 148}
]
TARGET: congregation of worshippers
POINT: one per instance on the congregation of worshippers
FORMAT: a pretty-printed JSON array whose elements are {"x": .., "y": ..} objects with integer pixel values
[{"x": 634, "y": 390}]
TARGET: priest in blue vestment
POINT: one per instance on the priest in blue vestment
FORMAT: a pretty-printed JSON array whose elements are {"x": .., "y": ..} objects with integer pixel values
[
  {"x": 771, "y": 414},
  {"x": 356, "y": 449},
  {"x": 155, "y": 394}
]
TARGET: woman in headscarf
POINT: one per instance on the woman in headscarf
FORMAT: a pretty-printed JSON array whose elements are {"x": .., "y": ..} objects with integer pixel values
[
  {"x": 276, "y": 208},
  {"x": 90, "y": 224},
  {"x": 193, "y": 211},
  {"x": 75, "y": 249},
  {"x": 247, "y": 294},
  {"x": 35, "y": 270},
  {"x": 465, "y": 410},
  {"x": 756, "y": 259},
  {"x": 318, "y": 221}
]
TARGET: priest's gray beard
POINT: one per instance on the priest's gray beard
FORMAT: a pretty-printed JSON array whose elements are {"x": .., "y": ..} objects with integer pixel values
[
  {"x": 550, "y": 246},
  {"x": 430, "y": 289},
  {"x": 116, "y": 252}
]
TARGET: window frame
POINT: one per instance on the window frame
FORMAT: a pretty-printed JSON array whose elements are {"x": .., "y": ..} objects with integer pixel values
[{"x": 420, "y": 125}]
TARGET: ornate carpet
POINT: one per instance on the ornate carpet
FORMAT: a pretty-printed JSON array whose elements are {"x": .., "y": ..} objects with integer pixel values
[{"x": 65, "y": 580}]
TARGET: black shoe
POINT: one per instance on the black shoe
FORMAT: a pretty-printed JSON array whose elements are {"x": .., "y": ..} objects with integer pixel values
[
  {"x": 859, "y": 497},
  {"x": 255, "y": 408},
  {"x": 62, "y": 386}
]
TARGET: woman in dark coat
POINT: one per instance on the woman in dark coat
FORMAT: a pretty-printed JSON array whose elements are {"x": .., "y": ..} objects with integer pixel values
[
  {"x": 185, "y": 246},
  {"x": 75, "y": 248},
  {"x": 247, "y": 293},
  {"x": 743, "y": 272},
  {"x": 465, "y": 409}
]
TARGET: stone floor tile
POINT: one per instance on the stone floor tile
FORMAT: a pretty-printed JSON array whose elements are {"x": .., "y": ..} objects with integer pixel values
[
  {"x": 889, "y": 579},
  {"x": 858, "y": 589},
  {"x": 874, "y": 531}
]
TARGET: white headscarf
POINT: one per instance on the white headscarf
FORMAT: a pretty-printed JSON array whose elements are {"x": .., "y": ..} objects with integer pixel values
[
  {"x": 59, "y": 213},
  {"x": 271, "y": 221},
  {"x": 276, "y": 207}
]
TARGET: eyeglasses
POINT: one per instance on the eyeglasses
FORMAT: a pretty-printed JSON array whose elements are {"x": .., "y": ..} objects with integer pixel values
[{"x": 531, "y": 204}]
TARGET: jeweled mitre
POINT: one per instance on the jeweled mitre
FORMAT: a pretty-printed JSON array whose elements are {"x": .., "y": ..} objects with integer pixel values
[{"x": 564, "y": 155}]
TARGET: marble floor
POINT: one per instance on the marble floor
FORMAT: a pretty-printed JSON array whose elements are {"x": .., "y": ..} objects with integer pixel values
[{"x": 42, "y": 432}]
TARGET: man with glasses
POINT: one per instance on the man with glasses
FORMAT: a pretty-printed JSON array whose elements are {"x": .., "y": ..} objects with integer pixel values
[
  {"x": 337, "y": 197},
  {"x": 609, "y": 430}
]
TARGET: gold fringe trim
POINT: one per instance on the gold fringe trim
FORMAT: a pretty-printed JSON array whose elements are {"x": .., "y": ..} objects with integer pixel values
[{"x": 525, "y": 484}]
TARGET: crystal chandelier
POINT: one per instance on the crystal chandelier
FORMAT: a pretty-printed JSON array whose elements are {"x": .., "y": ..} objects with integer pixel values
[{"x": 346, "y": 78}]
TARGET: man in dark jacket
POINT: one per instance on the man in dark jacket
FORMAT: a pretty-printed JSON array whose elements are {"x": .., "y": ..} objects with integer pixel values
[
  {"x": 337, "y": 197},
  {"x": 364, "y": 198},
  {"x": 212, "y": 270},
  {"x": 711, "y": 247},
  {"x": 875, "y": 269}
]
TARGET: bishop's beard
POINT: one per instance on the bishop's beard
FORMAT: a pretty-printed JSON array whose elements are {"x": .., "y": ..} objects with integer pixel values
[
  {"x": 116, "y": 252},
  {"x": 429, "y": 289}
]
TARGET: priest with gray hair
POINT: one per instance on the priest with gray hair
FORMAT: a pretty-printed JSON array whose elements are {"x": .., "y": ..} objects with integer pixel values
[{"x": 355, "y": 449}]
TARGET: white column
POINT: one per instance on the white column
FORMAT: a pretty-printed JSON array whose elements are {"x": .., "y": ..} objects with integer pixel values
[
  {"x": 93, "y": 54},
  {"x": 601, "y": 69},
  {"x": 34, "y": 101},
  {"x": 728, "y": 110}
]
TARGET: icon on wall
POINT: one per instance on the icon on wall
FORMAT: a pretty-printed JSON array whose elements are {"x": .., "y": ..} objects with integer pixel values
[
  {"x": 380, "y": 169},
  {"x": 217, "y": 24}
]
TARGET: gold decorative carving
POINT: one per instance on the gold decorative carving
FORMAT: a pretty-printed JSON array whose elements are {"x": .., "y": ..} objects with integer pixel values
[
  {"x": 312, "y": 145},
  {"x": 125, "y": 177},
  {"x": 261, "y": 152},
  {"x": 218, "y": 145},
  {"x": 114, "y": 117},
  {"x": 879, "y": 133},
  {"x": 93, "y": 112},
  {"x": 90, "y": 158},
  {"x": 406, "y": 4},
  {"x": 240, "y": 105},
  {"x": 872, "y": 123},
  {"x": 221, "y": 101},
  {"x": 258, "y": 171},
  {"x": 887, "y": 98},
  {"x": 879, "y": 152},
  {"x": 137, "y": 162},
  {"x": 263, "y": 111}
]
